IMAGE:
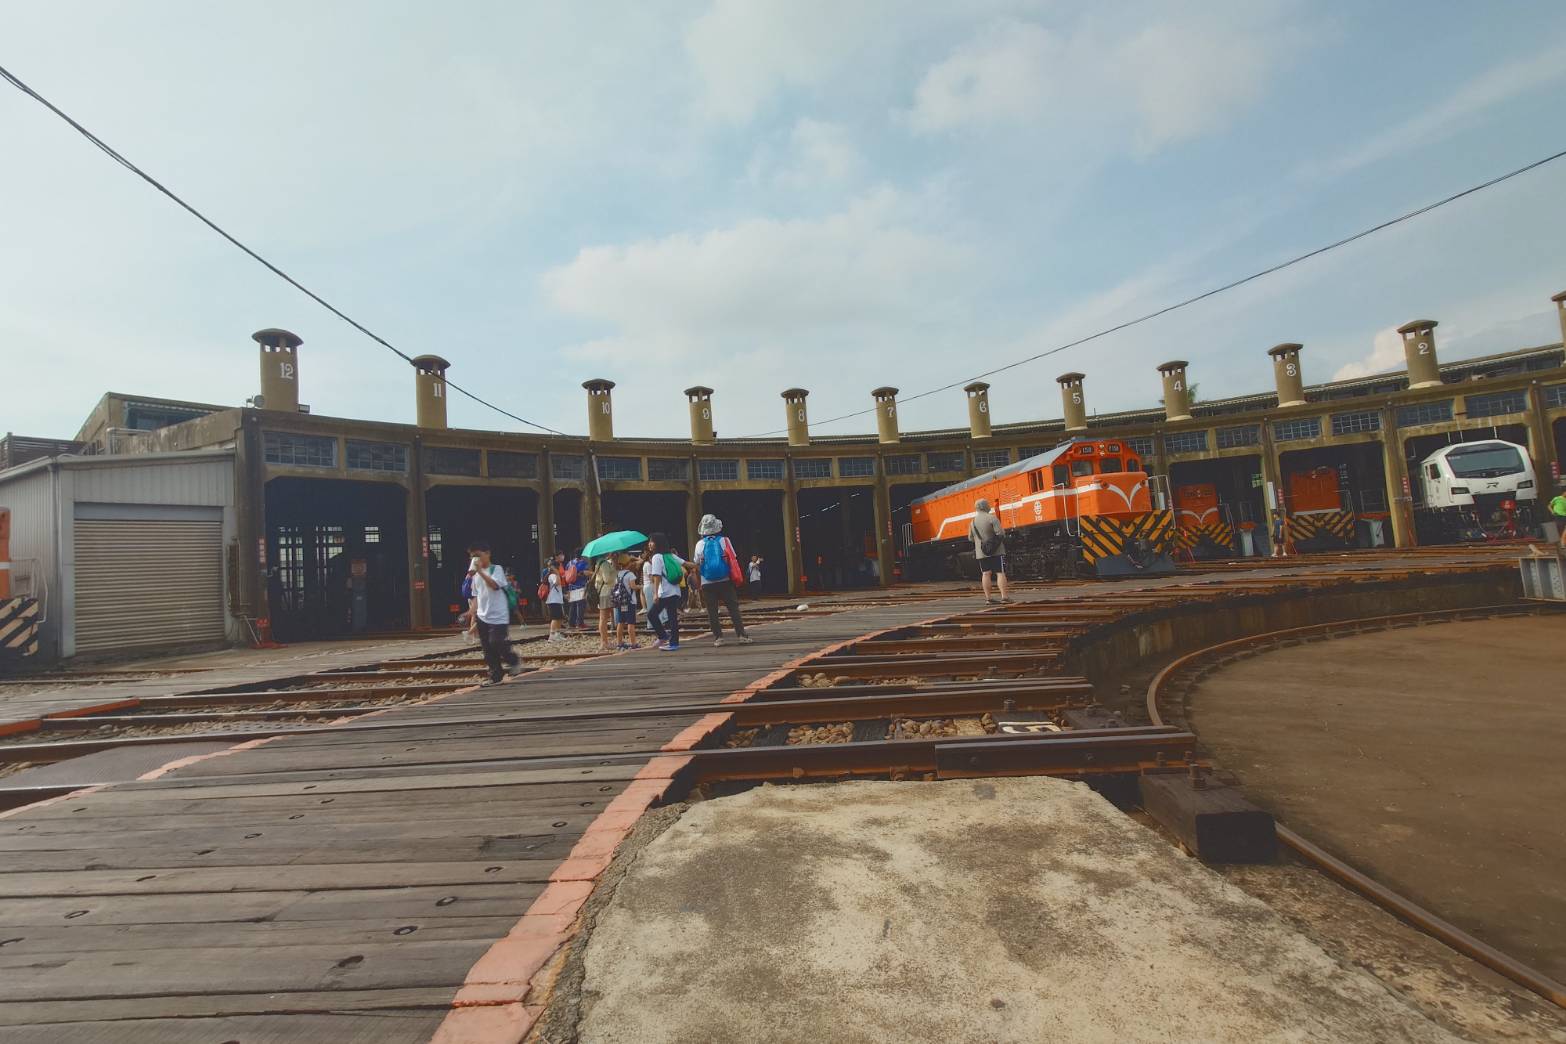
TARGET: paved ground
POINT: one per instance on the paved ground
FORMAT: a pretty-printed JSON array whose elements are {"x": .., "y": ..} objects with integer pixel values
[
  {"x": 996, "y": 911},
  {"x": 1430, "y": 758}
]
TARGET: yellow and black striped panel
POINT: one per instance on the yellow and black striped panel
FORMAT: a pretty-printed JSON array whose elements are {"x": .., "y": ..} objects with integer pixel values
[
  {"x": 1335, "y": 524},
  {"x": 1221, "y": 533},
  {"x": 1187, "y": 537},
  {"x": 18, "y": 627},
  {"x": 1104, "y": 537}
]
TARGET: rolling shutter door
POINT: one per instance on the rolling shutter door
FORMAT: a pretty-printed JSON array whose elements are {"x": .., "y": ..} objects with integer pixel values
[{"x": 148, "y": 582}]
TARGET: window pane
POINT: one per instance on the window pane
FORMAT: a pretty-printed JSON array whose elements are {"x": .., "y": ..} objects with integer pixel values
[
  {"x": 1424, "y": 413},
  {"x": 376, "y": 456},
  {"x": 669, "y": 469},
  {"x": 944, "y": 462},
  {"x": 985, "y": 460},
  {"x": 504, "y": 464},
  {"x": 300, "y": 451},
  {"x": 717, "y": 470},
  {"x": 447, "y": 460},
  {"x": 1185, "y": 442},
  {"x": 856, "y": 467},
  {"x": 1289, "y": 431},
  {"x": 1496, "y": 404},
  {"x": 1243, "y": 435},
  {"x": 764, "y": 470},
  {"x": 904, "y": 464},
  {"x": 813, "y": 468},
  {"x": 567, "y": 466},
  {"x": 1351, "y": 423}
]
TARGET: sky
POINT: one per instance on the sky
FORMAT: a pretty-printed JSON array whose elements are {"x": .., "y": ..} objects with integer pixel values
[{"x": 759, "y": 194}]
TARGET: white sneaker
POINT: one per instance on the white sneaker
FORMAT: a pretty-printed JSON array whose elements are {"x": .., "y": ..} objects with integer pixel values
[{"x": 717, "y": 643}]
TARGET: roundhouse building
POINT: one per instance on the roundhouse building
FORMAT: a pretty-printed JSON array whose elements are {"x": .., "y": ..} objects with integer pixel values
[{"x": 341, "y": 526}]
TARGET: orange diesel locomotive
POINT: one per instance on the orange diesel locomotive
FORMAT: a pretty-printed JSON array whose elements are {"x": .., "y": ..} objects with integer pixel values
[
  {"x": 1084, "y": 506},
  {"x": 1204, "y": 528}
]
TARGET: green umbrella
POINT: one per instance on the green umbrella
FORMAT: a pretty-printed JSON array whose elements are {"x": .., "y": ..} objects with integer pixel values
[{"x": 609, "y": 543}]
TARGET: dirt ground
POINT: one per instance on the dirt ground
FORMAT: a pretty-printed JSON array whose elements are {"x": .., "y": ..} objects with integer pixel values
[{"x": 1428, "y": 757}]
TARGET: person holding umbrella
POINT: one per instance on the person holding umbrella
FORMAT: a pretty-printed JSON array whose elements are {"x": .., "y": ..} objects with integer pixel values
[{"x": 605, "y": 575}]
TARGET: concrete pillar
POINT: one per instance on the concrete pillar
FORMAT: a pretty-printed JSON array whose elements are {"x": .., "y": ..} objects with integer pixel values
[
  {"x": 700, "y": 400},
  {"x": 429, "y": 380},
  {"x": 1177, "y": 394},
  {"x": 793, "y": 552},
  {"x": 546, "y": 508},
  {"x": 885, "y": 549},
  {"x": 1272, "y": 480},
  {"x": 798, "y": 419},
  {"x": 1072, "y": 401},
  {"x": 1400, "y": 500},
  {"x": 1560, "y": 312},
  {"x": 693, "y": 511},
  {"x": 600, "y": 410},
  {"x": 250, "y": 528},
  {"x": 1419, "y": 348},
  {"x": 886, "y": 414},
  {"x": 1286, "y": 374},
  {"x": 592, "y": 501},
  {"x": 279, "y": 370},
  {"x": 1541, "y": 444},
  {"x": 978, "y": 409},
  {"x": 416, "y": 517}
]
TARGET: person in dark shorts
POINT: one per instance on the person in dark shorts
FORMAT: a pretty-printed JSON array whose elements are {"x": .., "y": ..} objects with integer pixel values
[
  {"x": 492, "y": 614},
  {"x": 989, "y": 548}
]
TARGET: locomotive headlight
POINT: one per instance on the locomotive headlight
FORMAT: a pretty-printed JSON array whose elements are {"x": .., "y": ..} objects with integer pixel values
[
  {"x": 1459, "y": 489},
  {"x": 1525, "y": 484}
]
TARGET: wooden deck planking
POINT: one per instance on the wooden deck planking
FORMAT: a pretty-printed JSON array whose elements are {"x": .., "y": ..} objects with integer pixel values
[{"x": 154, "y": 899}]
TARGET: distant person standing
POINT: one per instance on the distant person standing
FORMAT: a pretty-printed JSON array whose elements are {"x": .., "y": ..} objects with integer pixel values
[
  {"x": 661, "y": 577},
  {"x": 604, "y": 573},
  {"x": 989, "y": 548},
  {"x": 718, "y": 567},
  {"x": 1558, "y": 509},
  {"x": 576, "y": 578},
  {"x": 554, "y": 601},
  {"x": 491, "y": 614},
  {"x": 1280, "y": 534},
  {"x": 755, "y": 575}
]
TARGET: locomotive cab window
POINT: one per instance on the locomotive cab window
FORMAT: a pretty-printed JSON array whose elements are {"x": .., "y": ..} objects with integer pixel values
[
  {"x": 1132, "y": 464},
  {"x": 1109, "y": 464},
  {"x": 1035, "y": 482},
  {"x": 1062, "y": 475},
  {"x": 1081, "y": 467}
]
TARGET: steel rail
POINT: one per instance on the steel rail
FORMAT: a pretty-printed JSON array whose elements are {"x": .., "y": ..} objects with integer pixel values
[{"x": 1394, "y": 903}]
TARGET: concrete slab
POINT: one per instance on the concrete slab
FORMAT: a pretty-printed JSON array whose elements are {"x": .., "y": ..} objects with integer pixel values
[{"x": 995, "y": 911}]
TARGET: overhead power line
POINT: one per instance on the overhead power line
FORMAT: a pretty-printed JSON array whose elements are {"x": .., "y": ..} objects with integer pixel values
[
  {"x": 214, "y": 226},
  {"x": 1204, "y": 295}
]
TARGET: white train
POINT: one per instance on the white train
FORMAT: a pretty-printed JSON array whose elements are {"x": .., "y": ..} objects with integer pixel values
[{"x": 1476, "y": 491}]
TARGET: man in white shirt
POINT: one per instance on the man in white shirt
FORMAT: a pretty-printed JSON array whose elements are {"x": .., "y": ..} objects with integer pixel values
[
  {"x": 662, "y": 596},
  {"x": 492, "y": 612}
]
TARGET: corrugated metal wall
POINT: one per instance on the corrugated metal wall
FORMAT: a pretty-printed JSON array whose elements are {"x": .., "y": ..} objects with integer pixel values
[{"x": 46, "y": 504}]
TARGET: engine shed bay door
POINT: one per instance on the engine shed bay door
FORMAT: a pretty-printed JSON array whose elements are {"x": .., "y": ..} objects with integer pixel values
[{"x": 147, "y": 582}]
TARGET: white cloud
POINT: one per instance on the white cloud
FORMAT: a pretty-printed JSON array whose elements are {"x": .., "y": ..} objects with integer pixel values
[
  {"x": 764, "y": 278},
  {"x": 827, "y": 296},
  {"x": 1002, "y": 74},
  {"x": 1168, "y": 82},
  {"x": 1385, "y": 355},
  {"x": 746, "y": 50},
  {"x": 1452, "y": 114},
  {"x": 818, "y": 155}
]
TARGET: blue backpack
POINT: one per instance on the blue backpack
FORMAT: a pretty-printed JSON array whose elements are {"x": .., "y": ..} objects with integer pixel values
[{"x": 714, "y": 564}]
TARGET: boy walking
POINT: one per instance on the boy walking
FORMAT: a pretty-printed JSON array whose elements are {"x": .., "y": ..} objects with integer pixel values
[{"x": 491, "y": 614}]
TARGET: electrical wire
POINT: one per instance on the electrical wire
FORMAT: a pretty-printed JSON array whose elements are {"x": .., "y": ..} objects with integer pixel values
[
  {"x": 1204, "y": 295},
  {"x": 109, "y": 151}
]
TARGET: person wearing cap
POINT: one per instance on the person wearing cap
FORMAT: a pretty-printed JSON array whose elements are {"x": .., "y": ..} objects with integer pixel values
[
  {"x": 989, "y": 548},
  {"x": 718, "y": 567}
]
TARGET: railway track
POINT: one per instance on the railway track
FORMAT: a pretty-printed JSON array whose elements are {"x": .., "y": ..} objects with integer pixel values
[
  {"x": 1167, "y": 704},
  {"x": 497, "y": 798}
]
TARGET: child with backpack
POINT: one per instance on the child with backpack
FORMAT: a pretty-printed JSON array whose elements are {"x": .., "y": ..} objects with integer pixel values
[
  {"x": 661, "y": 591},
  {"x": 622, "y": 596},
  {"x": 719, "y": 569}
]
